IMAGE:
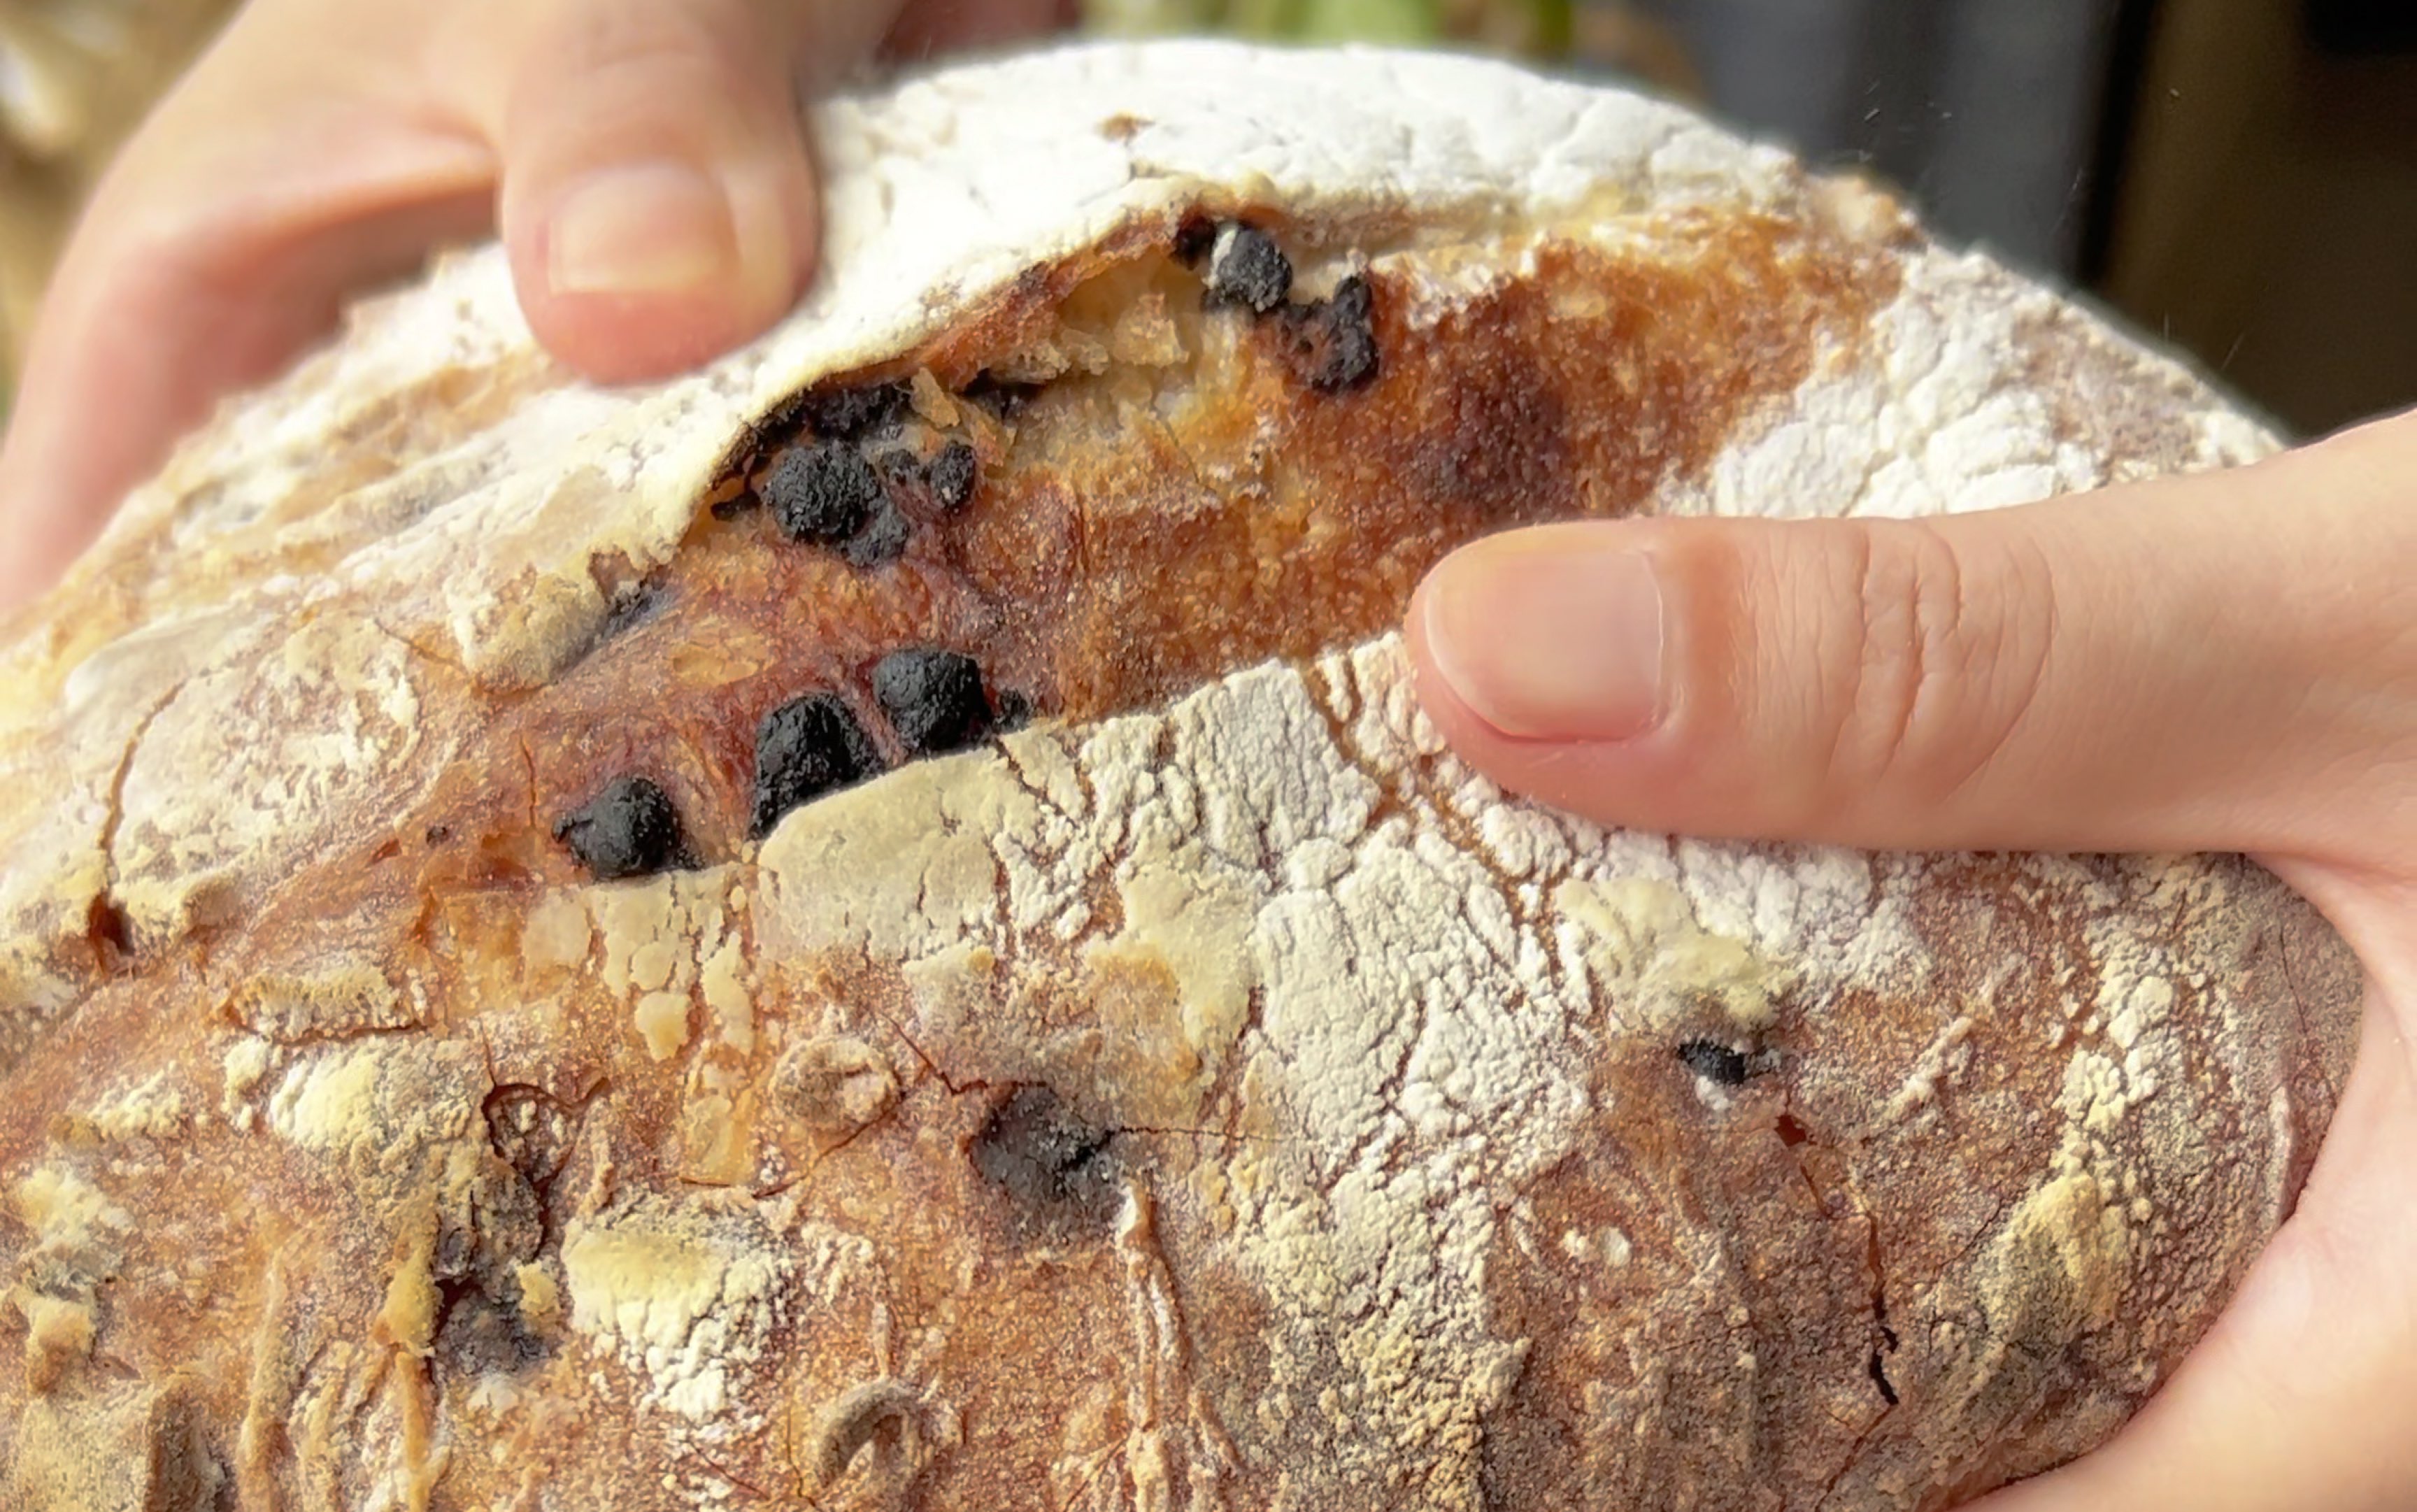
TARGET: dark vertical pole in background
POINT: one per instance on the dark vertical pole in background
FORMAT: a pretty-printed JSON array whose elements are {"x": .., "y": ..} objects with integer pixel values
[
  {"x": 2016, "y": 90},
  {"x": 1991, "y": 114},
  {"x": 2119, "y": 118}
]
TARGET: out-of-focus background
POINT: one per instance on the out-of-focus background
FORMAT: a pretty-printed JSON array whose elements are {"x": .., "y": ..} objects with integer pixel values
[{"x": 2237, "y": 175}]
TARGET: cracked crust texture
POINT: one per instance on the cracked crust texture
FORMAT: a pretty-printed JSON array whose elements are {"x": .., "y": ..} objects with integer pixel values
[{"x": 1209, "y": 1096}]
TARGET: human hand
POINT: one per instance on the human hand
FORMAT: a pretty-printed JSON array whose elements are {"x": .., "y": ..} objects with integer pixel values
[
  {"x": 2219, "y": 662},
  {"x": 643, "y": 160}
]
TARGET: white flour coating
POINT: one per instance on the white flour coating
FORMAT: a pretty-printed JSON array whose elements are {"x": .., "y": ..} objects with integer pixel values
[
  {"x": 1411, "y": 1004},
  {"x": 1407, "y": 992},
  {"x": 685, "y": 1301},
  {"x": 499, "y": 481},
  {"x": 1949, "y": 419}
]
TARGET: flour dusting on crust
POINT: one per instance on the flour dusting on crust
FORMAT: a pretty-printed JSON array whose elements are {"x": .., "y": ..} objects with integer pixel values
[{"x": 1178, "y": 1082}]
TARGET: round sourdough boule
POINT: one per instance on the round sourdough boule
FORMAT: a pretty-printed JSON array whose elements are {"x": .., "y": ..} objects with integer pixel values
[{"x": 1179, "y": 1084}]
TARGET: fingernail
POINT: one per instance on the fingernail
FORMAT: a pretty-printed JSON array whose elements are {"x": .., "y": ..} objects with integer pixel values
[
  {"x": 659, "y": 227},
  {"x": 1544, "y": 639}
]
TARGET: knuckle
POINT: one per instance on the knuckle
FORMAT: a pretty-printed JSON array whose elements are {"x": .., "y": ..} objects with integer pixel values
[
  {"x": 643, "y": 69},
  {"x": 1948, "y": 661},
  {"x": 648, "y": 32},
  {"x": 613, "y": 48}
]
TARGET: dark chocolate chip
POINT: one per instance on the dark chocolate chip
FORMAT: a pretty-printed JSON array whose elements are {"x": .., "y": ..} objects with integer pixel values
[
  {"x": 1332, "y": 344},
  {"x": 822, "y": 493},
  {"x": 852, "y": 413},
  {"x": 1714, "y": 1062},
  {"x": 933, "y": 698},
  {"x": 884, "y": 538},
  {"x": 1248, "y": 269},
  {"x": 1034, "y": 1147},
  {"x": 804, "y": 748},
  {"x": 1014, "y": 713},
  {"x": 951, "y": 475},
  {"x": 629, "y": 829}
]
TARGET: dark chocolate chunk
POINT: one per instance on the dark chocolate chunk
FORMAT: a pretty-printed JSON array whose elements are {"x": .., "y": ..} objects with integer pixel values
[
  {"x": 1014, "y": 713},
  {"x": 852, "y": 413},
  {"x": 822, "y": 493},
  {"x": 933, "y": 698},
  {"x": 1332, "y": 344},
  {"x": 1248, "y": 269},
  {"x": 951, "y": 475},
  {"x": 1034, "y": 1147},
  {"x": 629, "y": 829},
  {"x": 804, "y": 748},
  {"x": 884, "y": 538},
  {"x": 1714, "y": 1062}
]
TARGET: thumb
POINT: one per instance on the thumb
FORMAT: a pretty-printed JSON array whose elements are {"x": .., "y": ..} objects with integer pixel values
[
  {"x": 2223, "y": 660},
  {"x": 658, "y": 201}
]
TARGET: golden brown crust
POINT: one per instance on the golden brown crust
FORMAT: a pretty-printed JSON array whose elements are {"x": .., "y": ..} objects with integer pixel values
[{"x": 1209, "y": 1096}]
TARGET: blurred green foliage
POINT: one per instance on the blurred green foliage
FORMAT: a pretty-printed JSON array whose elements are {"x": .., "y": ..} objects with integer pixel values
[{"x": 1534, "y": 29}]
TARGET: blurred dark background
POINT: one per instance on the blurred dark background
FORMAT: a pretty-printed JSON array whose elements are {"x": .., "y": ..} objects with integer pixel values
[{"x": 2237, "y": 175}]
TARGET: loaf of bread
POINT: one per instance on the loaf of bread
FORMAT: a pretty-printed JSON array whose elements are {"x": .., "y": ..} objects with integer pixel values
[{"x": 877, "y": 926}]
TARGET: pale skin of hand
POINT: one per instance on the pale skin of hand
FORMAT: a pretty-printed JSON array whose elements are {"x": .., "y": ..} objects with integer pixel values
[
  {"x": 2226, "y": 661},
  {"x": 2222, "y": 663}
]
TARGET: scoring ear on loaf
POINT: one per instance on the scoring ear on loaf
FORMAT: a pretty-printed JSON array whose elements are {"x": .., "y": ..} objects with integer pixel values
[{"x": 879, "y": 927}]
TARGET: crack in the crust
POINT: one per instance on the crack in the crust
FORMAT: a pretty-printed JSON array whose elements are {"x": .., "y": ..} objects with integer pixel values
[
  {"x": 1114, "y": 1130},
  {"x": 1389, "y": 1093},
  {"x": 115, "y": 817},
  {"x": 1875, "y": 1367},
  {"x": 1887, "y": 1339},
  {"x": 1034, "y": 788},
  {"x": 1104, "y": 1458},
  {"x": 753, "y": 1492},
  {"x": 1883, "y": 1337},
  {"x": 1225, "y": 1092},
  {"x": 1414, "y": 791},
  {"x": 1983, "y": 1234},
  {"x": 450, "y": 664},
  {"x": 954, "y": 1087}
]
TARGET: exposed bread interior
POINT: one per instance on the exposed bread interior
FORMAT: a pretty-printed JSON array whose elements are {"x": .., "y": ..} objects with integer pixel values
[{"x": 879, "y": 927}]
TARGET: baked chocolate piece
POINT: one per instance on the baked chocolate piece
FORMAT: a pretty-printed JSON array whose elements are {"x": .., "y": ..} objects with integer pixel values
[
  {"x": 630, "y": 828},
  {"x": 806, "y": 748},
  {"x": 1095, "y": 1049}
]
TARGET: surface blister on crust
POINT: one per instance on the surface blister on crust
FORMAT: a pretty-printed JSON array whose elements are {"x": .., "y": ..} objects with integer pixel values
[{"x": 1209, "y": 1094}]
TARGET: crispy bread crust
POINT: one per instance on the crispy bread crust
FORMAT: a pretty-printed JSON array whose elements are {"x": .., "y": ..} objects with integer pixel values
[{"x": 1206, "y": 1094}]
